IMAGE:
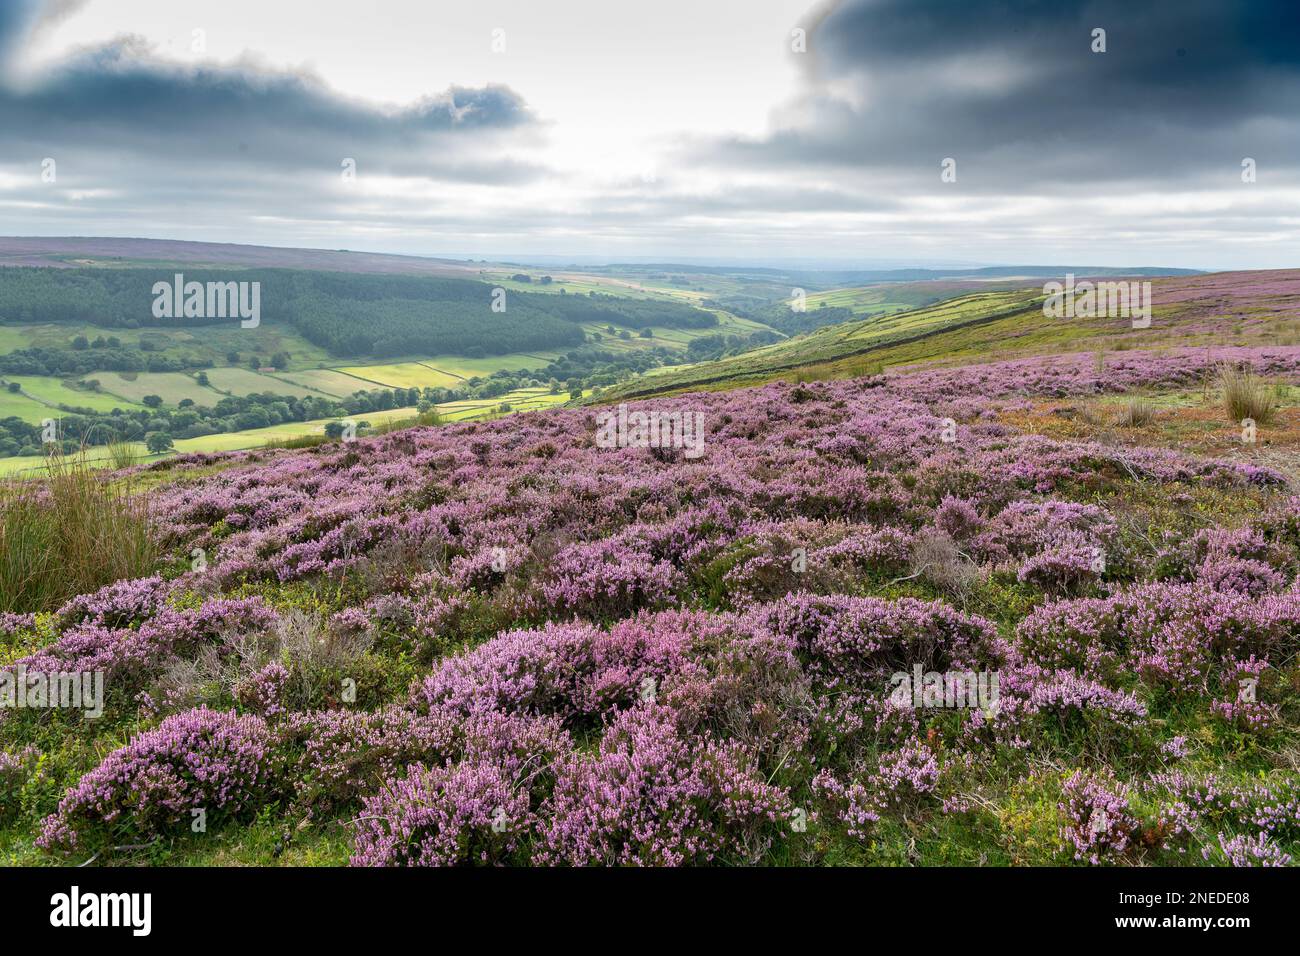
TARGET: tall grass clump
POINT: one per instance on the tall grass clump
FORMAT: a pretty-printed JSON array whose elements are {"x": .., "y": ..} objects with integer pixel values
[
  {"x": 296, "y": 443},
  {"x": 1136, "y": 413},
  {"x": 1244, "y": 395},
  {"x": 69, "y": 533},
  {"x": 121, "y": 454}
]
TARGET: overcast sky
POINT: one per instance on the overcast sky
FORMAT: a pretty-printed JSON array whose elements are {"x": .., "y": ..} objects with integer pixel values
[{"x": 672, "y": 129}]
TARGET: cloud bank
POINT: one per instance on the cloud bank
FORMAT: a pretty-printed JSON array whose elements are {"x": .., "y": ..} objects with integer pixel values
[{"x": 1058, "y": 150}]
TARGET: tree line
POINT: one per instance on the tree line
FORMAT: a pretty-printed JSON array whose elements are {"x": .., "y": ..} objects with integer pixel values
[{"x": 349, "y": 315}]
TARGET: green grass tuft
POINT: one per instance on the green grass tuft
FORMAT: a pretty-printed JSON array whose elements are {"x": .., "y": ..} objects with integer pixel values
[
  {"x": 69, "y": 533},
  {"x": 1245, "y": 396}
]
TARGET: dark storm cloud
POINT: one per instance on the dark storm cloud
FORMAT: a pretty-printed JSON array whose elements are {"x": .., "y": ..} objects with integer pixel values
[
  {"x": 17, "y": 17},
  {"x": 1013, "y": 91},
  {"x": 118, "y": 106}
]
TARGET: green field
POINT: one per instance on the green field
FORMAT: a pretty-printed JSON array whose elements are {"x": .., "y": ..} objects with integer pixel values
[
  {"x": 227, "y": 441},
  {"x": 443, "y": 371},
  {"x": 521, "y": 400},
  {"x": 207, "y": 344},
  {"x": 256, "y": 437},
  {"x": 400, "y": 375},
  {"x": 171, "y": 387},
  {"x": 12, "y": 339},
  {"x": 678, "y": 339},
  {"x": 52, "y": 391},
  {"x": 575, "y": 283},
  {"x": 636, "y": 282},
  {"x": 34, "y": 465},
  {"x": 327, "y": 381},
  {"x": 886, "y": 297},
  {"x": 20, "y": 406},
  {"x": 465, "y": 368},
  {"x": 244, "y": 381}
]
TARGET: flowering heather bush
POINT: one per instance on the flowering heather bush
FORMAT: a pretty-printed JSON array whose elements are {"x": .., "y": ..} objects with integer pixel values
[
  {"x": 1099, "y": 825},
  {"x": 1077, "y": 373},
  {"x": 129, "y": 656},
  {"x": 1179, "y": 638},
  {"x": 1245, "y": 851},
  {"x": 348, "y": 754},
  {"x": 772, "y": 559},
  {"x": 650, "y": 797},
  {"x": 1240, "y": 703},
  {"x": 263, "y": 693},
  {"x": 904, "y": 778},
  {"x": 217, "y": 762},
  {"x": 11, "y": 624},
  {"x": 856, "y": 643},
  {"x": 1243, "y": 575},
  {"x": 957, "y": 518},
  {"x": 570, "y": 655},
  {"x": 1234, "y": 823},
  {"x": 607, "y": 580},
  {"x": 1065, "y": 568},
  {"x": 573, "y": 671},
  {"x": 469, "y": 796},
  {"x": 464, "y": 815},
  {"x": 852, "y": 804},
  {"x": 117, "y": 605}
]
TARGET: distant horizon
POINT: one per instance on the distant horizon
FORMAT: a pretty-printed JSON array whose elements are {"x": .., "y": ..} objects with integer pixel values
[{"x": 561, "y": 260}]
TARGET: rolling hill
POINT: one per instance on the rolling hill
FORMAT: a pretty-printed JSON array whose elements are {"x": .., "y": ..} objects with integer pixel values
[{"x": 1233, "y": 308}]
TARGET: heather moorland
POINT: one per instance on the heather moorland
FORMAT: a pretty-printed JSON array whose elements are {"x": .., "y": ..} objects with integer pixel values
[{"x": 1034, "y": 611}]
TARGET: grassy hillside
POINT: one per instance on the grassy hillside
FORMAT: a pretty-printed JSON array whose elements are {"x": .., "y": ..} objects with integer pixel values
[
  {"x": 1238, "y": 308},
  {"x": 839, "y": 341}
]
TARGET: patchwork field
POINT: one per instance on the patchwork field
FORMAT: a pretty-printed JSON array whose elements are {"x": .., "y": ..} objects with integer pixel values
[
  {"x": 52, "y": 391},
  {"x": 900, "y": 297},
  {"x": 257, "y": 437},
  {"x": 171, "y": 387},
  {"x": 520, "y": 400},
  {"x": 401, "y": 375},
  {"x": 244, "y": 381},
  {"x": 208, "y": 344},
  {"x": 326, "y": 381}
]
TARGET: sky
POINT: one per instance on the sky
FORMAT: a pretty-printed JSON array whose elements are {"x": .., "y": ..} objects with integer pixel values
[{"x": 862, "y": 130}]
